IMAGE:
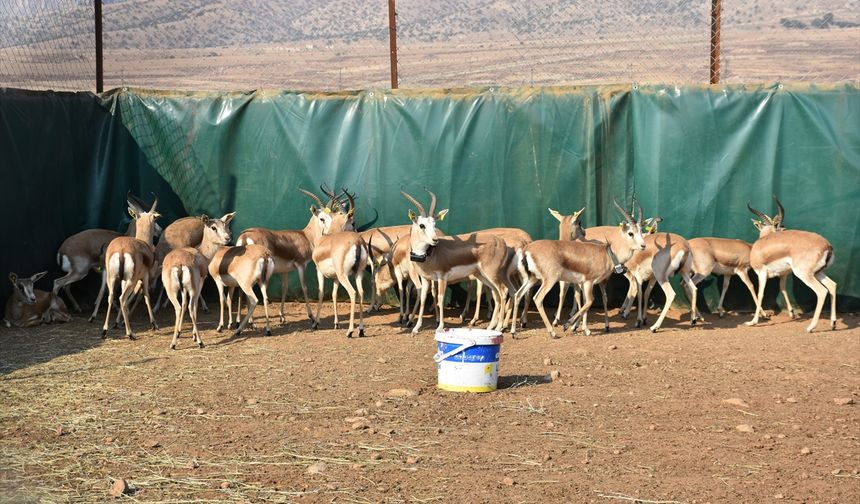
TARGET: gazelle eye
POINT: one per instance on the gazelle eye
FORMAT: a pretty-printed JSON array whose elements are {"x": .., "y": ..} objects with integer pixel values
[
  {"x": 421, "y": 226},
  {"x": 630, "y": 234}
]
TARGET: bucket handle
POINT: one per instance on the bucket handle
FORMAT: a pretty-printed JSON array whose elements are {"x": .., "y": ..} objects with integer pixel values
[{"x": 440, "y": 357}]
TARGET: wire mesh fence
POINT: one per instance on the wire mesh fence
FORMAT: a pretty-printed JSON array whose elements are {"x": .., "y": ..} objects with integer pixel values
[{"x": 344, "y": 44}]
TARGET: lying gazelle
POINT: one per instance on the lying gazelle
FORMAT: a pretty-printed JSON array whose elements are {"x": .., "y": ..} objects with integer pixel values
[
  {"x": 131, "y": 261},
  {"x": 28, "y": 307},
  {"x": 84, "y": 252},
  {"x": 339, "y": 255},
  {"x": 292, "y": 250},
  {"x": 184, "y": 269},
  {"x": 436, "y": 260},
  {"x": 584, "y": 263},
  {"x": 721, "y": 256},
  {"x": 779, "y": 252}
]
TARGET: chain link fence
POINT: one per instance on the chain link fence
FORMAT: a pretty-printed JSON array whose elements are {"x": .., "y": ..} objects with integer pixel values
[{"x": 343, "y": 44}]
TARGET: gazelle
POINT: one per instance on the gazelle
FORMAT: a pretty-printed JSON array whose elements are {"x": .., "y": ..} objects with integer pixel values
[
  {"x": 292, "y": 250},
  {"x": 242, "y": 266},
  {"x": 437, "y": 260},
  {"x": 721, "y": 256},
  {"x": 184, "y": 269},
  {"x": 28, "y": 307},
  {"x": 339, "y": 255},
  {"x": 380, "y": 242},
  {"x": 584, "y": 263},
  {"x": 131, "y": 260},
  {"x": 569, "y": 229},
  {"x": 778, "y": 252},
  {"x": 84, "y": 252},
  {"x": 665, "y": 255}
]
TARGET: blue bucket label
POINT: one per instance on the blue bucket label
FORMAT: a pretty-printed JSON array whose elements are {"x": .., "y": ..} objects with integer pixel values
[{"x": 479, "y": 353}]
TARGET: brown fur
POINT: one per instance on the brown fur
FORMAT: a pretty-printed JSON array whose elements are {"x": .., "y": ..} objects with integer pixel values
[
  {"x": 242, "y": 266},
  {"x": 47, "y": 308}
]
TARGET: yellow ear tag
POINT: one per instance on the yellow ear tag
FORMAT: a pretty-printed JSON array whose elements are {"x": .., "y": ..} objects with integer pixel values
[
  {"x": 327, "y": 210},
  {"x": 648, "y": 229},
  {"x": 130, "y": 212}
]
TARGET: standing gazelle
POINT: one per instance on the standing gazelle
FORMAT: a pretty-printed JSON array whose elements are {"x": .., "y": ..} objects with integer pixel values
[
  {"x": 584, "y": 263},
  {"x": 437, "y": 260},
  {"x": 778, "y": 252},
  {"x": 131, "y": 260},
  {"x": 184, "y": 269},
  {"x": 338, "y": 256},
  {"x": 721, "y": 256}
]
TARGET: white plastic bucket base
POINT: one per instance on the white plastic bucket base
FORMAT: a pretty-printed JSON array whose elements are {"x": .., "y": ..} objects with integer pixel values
[{"x": 467, "y": 360}]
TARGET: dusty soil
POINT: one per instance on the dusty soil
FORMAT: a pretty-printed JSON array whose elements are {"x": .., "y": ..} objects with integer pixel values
[{"x": 307, "y": 416}]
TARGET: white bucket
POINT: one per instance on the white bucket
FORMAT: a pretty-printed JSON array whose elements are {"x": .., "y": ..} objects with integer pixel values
[{"x": 468, "y": 359}]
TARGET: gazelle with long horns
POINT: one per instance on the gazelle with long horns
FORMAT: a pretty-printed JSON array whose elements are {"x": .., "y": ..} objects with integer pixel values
[
  {"x": 339, "y": 255},
  {"x": 131, "y": 261},
  {"x": 778, "y": 252},
  {"x": 292, "y": 250},
  {"x": 436, "y": 260},
  {"x": 584, "y": 263}
]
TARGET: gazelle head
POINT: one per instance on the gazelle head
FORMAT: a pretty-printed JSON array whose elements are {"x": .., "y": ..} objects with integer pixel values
[
  {"x": 569, "y": 226},
  {"x": 24, "y": 287},
  {"x": 217, "y": 231},
  {"x": 767, "y": 225},
  {"x": 137, "y": 206},
  {"x": 631, "y": 230},
  {"x": 144, "y": 219},
  {"x": 423, "y": 233},
  {"x": 331, "y": 217}
]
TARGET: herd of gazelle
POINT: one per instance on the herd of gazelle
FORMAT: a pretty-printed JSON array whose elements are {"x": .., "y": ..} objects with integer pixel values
[{"x": 506, "y": 261}]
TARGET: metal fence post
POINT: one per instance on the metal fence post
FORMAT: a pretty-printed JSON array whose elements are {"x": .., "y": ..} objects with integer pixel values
[
  {"x": 100, "y": 78},
  {"x": 392, "y": 42},
  {"x": 715, "y": 41}
]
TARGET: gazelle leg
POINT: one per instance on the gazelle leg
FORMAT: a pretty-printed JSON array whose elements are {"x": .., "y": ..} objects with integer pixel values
[
  {"x": 282, "y": 318},
  {"x": 220, "y": 286},
  {"x": 230, "y": 307},
  {"x": 633, "y": 289},
  {"x": 359, "y": 276},
  {"x": 539, "y": 297},
  {"x": 742, "y": 274},
  {"x": 782, "y": 289},
  {"x": 252, "y": 305},
  {"x": 820, "y": 293},
  {"x": 422, "y": 293},
  {"x": 301, "y": 271},
  {"x": 479, "y": 294},
  {"x": 670, "y": 296},
  {"x": 605, "y": 309},
  {"x": 124, "y": 296},
  {"x": 588, "y": 300},
  {"x": 334, "y": 289},
  {"x": 762, "y": 280},
  {"x": 192, "y": 312},
  {"x": 109, "y": 306},
  {"x": 830, "y": 285},
  {"x": 146, "y": 299},
  {"x": 99, "y": 297},
  {"x": 726, "y": 281},
  {"x": 264, "y": 290},
  {"x": 350, "y": 291},
  {"x": 562, "y": 288},
  {"x": 520, "y": 293},
  {"x": 687, "y": 281},
  {"x": 178, "y": 308},
  {"x": 321, "y": 289},
  {"x": 440, "y": 303}
]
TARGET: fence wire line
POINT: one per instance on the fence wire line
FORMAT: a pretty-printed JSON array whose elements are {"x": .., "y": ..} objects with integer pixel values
[{"x": 343, "y": 44}]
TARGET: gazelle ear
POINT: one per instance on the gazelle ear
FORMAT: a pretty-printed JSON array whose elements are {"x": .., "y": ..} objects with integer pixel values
[
  {"x": 205, "y": 219},
  {"x": 132, "y": 213},
  {"x": 37, "y": 276},
  {"x": 313, "y": 210},
  {"x": 228, "y": 217},
  {"x": 13, "y": 278},
  {"x": 578, "y": 213},
  {"x": 155, "y": 215},
  {"x": 412, "y": 215},
  {"x": 757, "y": 224},
  {"x": 441, "y": 215},
  {"x": 559, "y": 217}
]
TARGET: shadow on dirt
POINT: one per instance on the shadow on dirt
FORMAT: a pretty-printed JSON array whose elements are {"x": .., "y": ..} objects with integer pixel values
[{"x": 516, "y": 381}]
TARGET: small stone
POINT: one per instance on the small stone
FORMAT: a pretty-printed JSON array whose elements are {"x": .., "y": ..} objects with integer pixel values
[
  {"x": 200, "y": 411},
  {"x": 780, "y": 436},
  {"x": 331, "y": 486},
  {"x": 316, "y": 468},
  {"x": 193, "y": 464},
  {"x": 412, "y": 460},
  {"x": 375, "y": 456},
  {"x": 379, "y": 404},
  {"x": 744, "y": 428},
  {"x": 252, "y": 401},
  {"x": 158, "y": 412},
  {"x": 109, "y": 440},
  {"x": 613, "y": 347},
  {"x": 438, "y": 430},
  {"x": 616, "y": 452},
  {"x": 736, "y": 401},
  {"x": 554, "y": 375},
  {"x": 361, "y": 412},
  {"x": 547, "y": 457},
  {"x": 59, "y": 431},
  {"x": 360, "y": 425},
  {"x": 767, "y": 436},
  {"x": 836, "y": 472},
  {"x": 118, "y": 488},
  {"x": 790, "y": 400},
  {"x": 462, "y": 416},
  {"x": 401, "y": 392},
  {"x": 382, "y": 360},
  {"x": 547, "y": 361},
  {"x": 779, "y": 496},
  {"x": 844, "y": 401},
  {"x": 795, "y": 427},
  {"x": 508, "y": 481},
  {"x": 356, "y": 467},
  {"x": 805, "y": 450},
  {"x": 353, "y": 419},
  {"x": 652, "y": 427},
  {"x": 225, "y": 485}
]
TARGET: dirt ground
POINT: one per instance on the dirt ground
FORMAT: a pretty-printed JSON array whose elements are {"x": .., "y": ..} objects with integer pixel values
[{"x": 309, "y": 416}]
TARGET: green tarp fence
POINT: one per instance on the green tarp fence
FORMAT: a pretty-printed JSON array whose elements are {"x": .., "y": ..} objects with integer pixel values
[{"x": 494, "y": 156}]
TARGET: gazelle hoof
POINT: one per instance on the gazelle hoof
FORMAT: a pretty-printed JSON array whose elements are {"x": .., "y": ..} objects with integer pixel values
[
  {"x": 205, "y": 309},
  {"x": 587, "y": 332},
  {"x": 555, "y": 323},
  {"x": 693, "y": 322},
  {"x": 235, "y": 325},
  {"x": 751, "y": 323},
  {"x": 154, "y": 326},
  {"x": 315, "y": 325},
  {"x": 361, "y": 333},
  {"x": 638, "y": 323},
  {"x": 131, "y": 337},
  {"x": 606, "y": 329},
  {"x": 268, "y": 332},
  {"x": 832, "y": 325},
  {"x": 200, "y": 344},
  {"x": 349, "y": 335},
  {"x": 553, "y": 335},
  {"x": 104, "y": 333},
  {"x": 282, "y": 319},
  {"x": 722, "y": 314},
  {"x": 173, "y": 347},
  {"x": 336, "y": 325},
  {"x": 653, "y": 330},
  {"x": 90, "y": 319},
  {"x": 237, "y": 332}
]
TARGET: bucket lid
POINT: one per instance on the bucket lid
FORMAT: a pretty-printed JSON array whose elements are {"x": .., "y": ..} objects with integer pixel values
[{"x": 461, "y": 335}]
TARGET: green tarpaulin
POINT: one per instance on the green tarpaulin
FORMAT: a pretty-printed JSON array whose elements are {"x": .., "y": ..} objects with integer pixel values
[{"x": 494, "y": 156}]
